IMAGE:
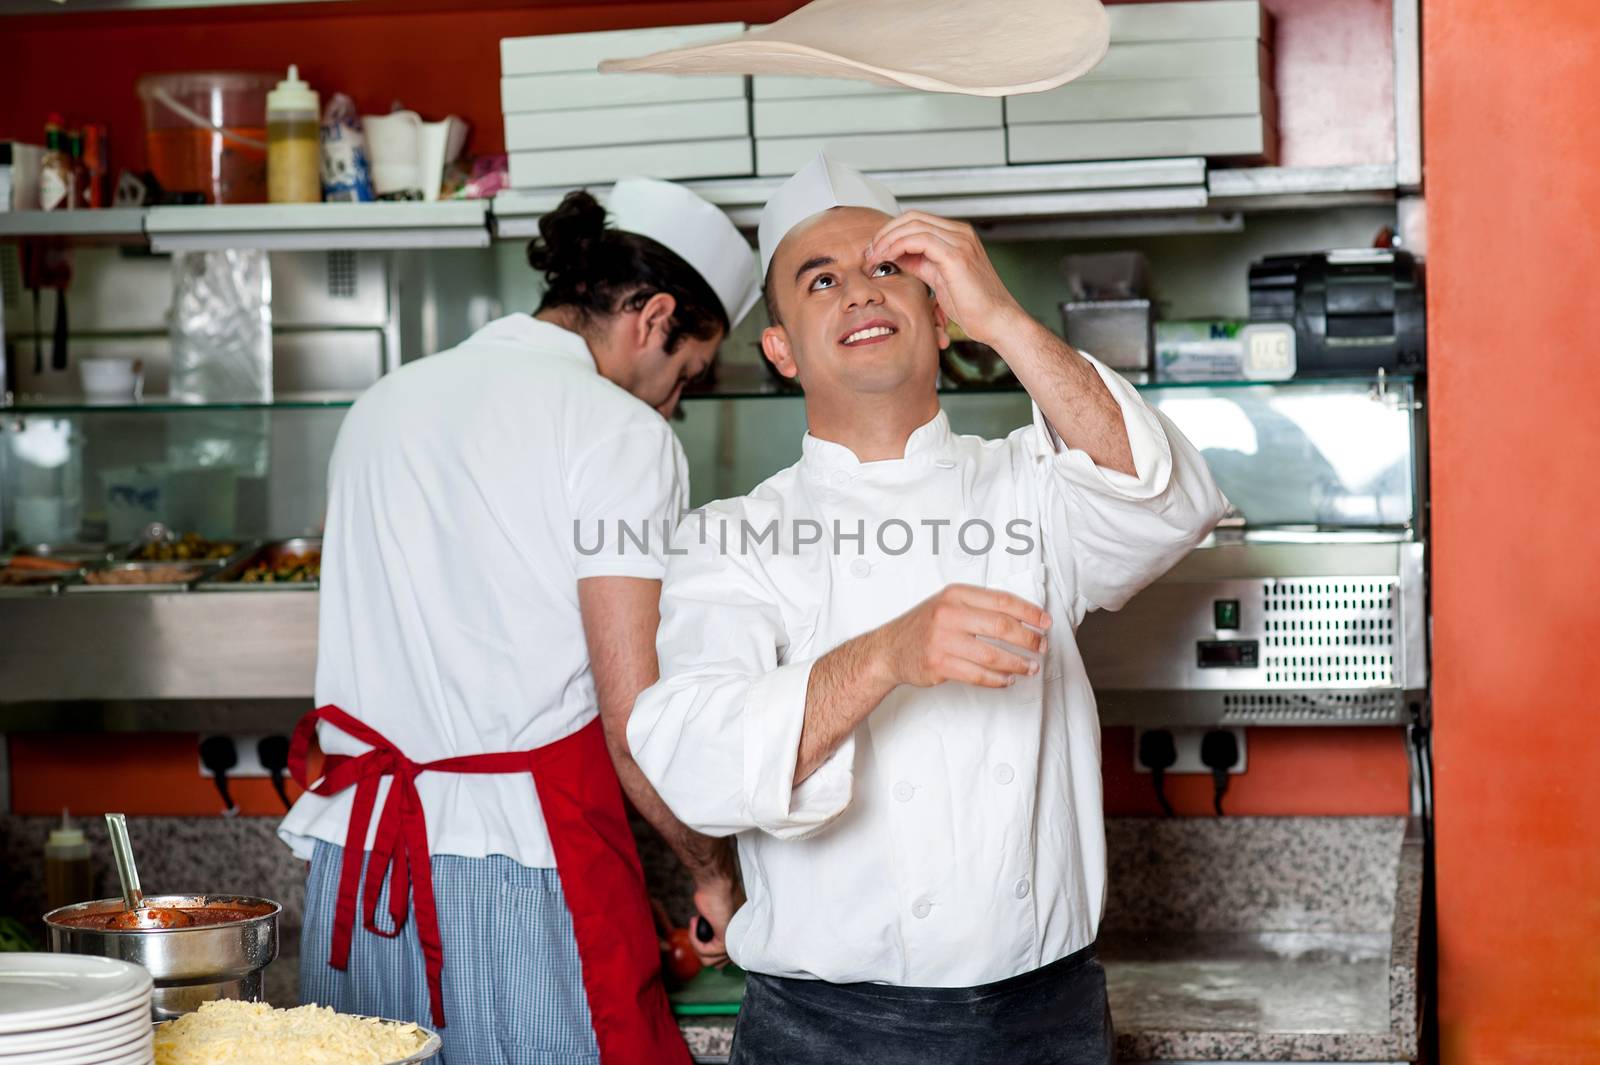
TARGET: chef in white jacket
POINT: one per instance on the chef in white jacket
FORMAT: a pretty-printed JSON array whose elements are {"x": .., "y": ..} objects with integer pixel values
[{"x": 869, "y": 671}]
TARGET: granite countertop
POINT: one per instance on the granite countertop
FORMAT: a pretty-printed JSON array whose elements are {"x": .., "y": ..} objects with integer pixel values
[
  {"x": 1224, "y": 939},
  {"x": 1265, "y": 939}
]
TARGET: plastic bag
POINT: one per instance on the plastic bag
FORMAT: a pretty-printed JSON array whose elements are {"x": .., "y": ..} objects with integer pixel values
[
  {"x": 346, "y": 173},
  {"x": 221, "y": 326}
]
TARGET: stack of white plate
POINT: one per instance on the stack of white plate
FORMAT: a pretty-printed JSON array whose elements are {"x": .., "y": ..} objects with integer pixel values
[{"x": 70, "y": 1009}]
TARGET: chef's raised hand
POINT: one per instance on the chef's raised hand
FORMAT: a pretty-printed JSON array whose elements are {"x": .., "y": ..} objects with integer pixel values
[
  {"x": 950, "y": 259},
  {"x": 947, "y": 637}
]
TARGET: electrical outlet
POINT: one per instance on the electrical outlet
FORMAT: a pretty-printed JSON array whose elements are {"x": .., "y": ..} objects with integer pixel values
[
  {"x": 1187, "y": 741},
  {"x": 249, "y": 762}
]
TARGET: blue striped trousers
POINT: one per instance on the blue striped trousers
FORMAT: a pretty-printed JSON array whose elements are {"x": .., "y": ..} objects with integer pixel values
[{"x": 513, "y": 985}]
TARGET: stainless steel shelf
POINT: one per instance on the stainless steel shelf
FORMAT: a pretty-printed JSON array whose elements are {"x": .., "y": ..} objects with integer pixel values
[
  {"x": 1279, "y": 187},
  {"x": 1148, "y": 188},
  {"x": 1043, "y": 190},
  {"x": 108, "y": 225},
  {"x": 320, "y": 226}
]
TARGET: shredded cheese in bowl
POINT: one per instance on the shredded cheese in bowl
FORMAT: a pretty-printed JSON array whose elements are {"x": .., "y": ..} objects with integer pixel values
[{"x": 226, "y": 1032}]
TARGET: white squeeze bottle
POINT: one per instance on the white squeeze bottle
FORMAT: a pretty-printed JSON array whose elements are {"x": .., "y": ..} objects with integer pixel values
[
  {"x": 294, "y": 142},
  {"x": 68, "y": 875}
]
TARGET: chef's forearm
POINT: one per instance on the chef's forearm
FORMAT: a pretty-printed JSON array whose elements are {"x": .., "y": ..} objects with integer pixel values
[
  {"x": 709, "y": 860},
  {"x": 846, "y": 685},
  {"x": 1069, "y": 392}
]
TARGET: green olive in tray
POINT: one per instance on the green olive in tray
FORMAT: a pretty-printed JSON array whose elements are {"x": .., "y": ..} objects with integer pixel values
[{"x": 287, "y": 569}]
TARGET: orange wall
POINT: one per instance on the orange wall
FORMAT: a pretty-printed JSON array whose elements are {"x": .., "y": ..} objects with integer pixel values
[
  {"x": 1512, "y": 135},
  {"x": 1292, "y": 771}
]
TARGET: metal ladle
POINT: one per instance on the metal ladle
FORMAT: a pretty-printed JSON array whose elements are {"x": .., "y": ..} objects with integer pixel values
[{"x": 137, "y": 916}]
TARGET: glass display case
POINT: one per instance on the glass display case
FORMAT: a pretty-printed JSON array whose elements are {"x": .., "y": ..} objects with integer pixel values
[{"x": 1328, "y": 454}]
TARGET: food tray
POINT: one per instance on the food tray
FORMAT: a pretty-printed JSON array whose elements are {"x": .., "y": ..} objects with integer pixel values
[
  {"x": 231, "y": 577},
  {"x": 133, "y": 551},
  {"x": 141, "y": 576},
  {"x": 29, "y": 583}
]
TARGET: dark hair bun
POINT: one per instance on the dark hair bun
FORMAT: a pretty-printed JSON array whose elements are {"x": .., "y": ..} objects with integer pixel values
[
  {"x": 597, "y": 272},
  {"x": 567, "y": 234}
]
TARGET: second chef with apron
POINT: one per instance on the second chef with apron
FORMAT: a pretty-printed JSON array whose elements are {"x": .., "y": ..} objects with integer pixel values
[{"x": 471, "y": 863}]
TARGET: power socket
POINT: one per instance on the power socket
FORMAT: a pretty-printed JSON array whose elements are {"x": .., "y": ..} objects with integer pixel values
[
  {"x": 249, "y": 762},
  {"x": 1187, "y": 741}
]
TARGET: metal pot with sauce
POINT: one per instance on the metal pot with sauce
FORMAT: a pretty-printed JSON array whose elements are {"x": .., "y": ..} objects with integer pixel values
[{"x": 220, "y": 953}]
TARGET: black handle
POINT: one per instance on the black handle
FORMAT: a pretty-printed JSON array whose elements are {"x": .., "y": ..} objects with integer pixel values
[
  {"x": 702, "y": 929},
  {"x": 58, "y": 343}
]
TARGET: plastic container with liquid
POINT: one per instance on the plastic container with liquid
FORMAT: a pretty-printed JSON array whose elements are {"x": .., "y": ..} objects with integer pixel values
[
  {"x": 68, "y": 872},
  {"x": 206, "y": 133},
  {"x": 294, "y": 142}
]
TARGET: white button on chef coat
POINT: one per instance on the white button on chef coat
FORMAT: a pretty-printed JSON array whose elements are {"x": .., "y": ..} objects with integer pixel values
[
  {"x": 904, "y": 791},
  {"x": 833, "y": 866},
  {"x": 860, "y": 568},
  {"x": 449, "y": 601},
  {"x": 1003, "y": 774}
]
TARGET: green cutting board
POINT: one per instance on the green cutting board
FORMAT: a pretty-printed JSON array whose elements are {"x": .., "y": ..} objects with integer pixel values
[{"x": 712, "y": 993}]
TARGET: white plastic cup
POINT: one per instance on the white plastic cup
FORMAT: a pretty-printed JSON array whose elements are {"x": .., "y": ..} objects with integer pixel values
[{"x": 112, "y": 378}]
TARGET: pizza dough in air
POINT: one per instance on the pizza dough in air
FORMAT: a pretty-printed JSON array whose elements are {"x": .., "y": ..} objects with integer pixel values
[{"x": 976, "y": 47}]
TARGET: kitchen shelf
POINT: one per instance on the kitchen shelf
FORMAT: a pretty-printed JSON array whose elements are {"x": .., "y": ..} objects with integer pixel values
[
  {"x": 165, "y": 405},
  {"x": 1152, "y": 188},
  {"x": 320, "y": 226},
  {"x": 107, "y": 225},
  {"x": 968, "y": 192},
  {"x": 273, "y": 226},
  {"x": 1279, "y": 187},
  {"x": 734, "y": 381},
  {"x": 1046, "y": 190}
]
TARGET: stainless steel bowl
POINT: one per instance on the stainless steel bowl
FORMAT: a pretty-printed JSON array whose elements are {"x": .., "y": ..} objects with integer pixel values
[{"x": 190, "y": 965}]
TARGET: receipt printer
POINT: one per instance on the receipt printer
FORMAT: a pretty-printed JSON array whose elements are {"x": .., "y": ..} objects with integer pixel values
[{"x": 1353, "y": 312}]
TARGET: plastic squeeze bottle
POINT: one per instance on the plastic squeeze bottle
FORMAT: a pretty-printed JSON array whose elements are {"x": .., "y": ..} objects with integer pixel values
[
  {"x": 294, "y": 145},
  {"x": 68, "y": 877}
]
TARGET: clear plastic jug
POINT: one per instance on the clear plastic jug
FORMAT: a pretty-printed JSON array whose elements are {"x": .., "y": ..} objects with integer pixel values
[{"x": 207, "y": 133}]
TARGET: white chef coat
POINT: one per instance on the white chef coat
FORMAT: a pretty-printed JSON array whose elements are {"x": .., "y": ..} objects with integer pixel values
[
  {"x": 957, "y": 837},
  {"x": 449, "y": 613}
]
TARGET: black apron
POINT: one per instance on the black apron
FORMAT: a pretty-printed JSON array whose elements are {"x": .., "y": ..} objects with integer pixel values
[{"x": 1055, "y": 1015}]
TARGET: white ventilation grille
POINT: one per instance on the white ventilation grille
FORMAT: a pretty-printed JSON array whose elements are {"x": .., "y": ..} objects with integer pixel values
[
  {"x": 1288, "y": 708},
  {"x": 1326, "y": 633}
]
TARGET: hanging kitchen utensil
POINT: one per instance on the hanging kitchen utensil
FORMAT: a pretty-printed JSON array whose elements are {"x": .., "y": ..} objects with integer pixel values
[
  {"x": 47, "y": 263},
  {"x": 137, "y": 915},
  {"x": 999, "y": 49}
]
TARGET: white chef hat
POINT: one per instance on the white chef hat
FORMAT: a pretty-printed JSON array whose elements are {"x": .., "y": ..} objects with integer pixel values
[
  {"x": 820, "y": 185},
  {"x": 696, "y": 231}
]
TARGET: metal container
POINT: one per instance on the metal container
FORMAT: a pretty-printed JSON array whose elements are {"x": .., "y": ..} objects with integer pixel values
[
  {"x": 1120, "y": 333},
  {"x": 194, "y": 571},
  {"x": 190, "y": 965},
  {"x": 231, "y": 577},
  {"x": 135, "y": 551}
]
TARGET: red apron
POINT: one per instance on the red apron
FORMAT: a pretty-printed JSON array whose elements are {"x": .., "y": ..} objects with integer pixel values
[{"x": 595, "y": 858}]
